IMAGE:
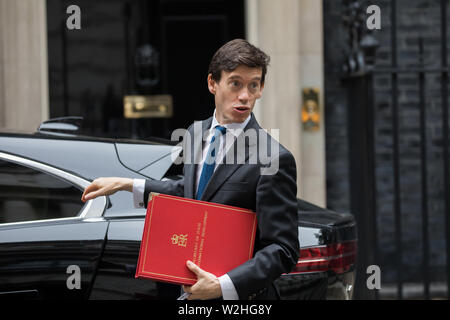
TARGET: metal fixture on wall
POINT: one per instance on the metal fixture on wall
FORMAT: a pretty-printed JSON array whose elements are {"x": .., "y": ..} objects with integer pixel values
[
  {"x": 154, "y": 106},
  {"x": 310, "y": 109},
  {"x": 362, "y": 43},
  {"x": 147, "y": 66}
]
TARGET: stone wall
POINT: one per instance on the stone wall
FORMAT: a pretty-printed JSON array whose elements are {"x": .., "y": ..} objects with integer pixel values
[{"x": 23, "y": 64}]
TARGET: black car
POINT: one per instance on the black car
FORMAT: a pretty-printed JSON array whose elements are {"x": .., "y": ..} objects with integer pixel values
[{"x": 54, "y": 246}]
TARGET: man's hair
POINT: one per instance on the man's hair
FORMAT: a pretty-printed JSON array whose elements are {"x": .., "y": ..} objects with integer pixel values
[{"x": 235, "y": 53}]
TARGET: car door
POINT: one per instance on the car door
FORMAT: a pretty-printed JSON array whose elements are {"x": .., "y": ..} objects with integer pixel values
[{"x": 50, "y": 241}]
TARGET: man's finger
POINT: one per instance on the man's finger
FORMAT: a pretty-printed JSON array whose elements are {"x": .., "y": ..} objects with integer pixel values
[
  {"x": 194, "y": 268},
  {"x": 91, "y": 195},
  {"x": 187, "y": 289},
  {"x": 88, "y": 190},
  {"x": 91, "y": 187},
  {"x": 191, "y": 297}
]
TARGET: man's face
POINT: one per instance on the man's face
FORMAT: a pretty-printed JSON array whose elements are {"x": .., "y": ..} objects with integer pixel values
[{"x": 236, "y": 93}]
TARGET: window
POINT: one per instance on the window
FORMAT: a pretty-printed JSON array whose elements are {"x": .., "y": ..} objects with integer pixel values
[{"x": 27, "y": 194}]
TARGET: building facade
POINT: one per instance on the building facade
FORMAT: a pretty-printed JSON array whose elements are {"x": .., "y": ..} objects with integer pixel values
[
  {"x": 137, "y": 47},
  {"x": 365, "y": 112}
]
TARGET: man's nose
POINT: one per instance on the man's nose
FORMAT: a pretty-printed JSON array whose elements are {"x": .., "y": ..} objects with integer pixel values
[{"x": 243, "y": 95}]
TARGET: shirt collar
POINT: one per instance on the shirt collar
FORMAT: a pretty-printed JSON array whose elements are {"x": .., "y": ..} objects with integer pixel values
[{"x": 235, "y": 127}]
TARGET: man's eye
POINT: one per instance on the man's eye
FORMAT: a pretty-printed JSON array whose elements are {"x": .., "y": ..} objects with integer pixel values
[
  {"x": 254, "y": 86},
  {"x": 235, "y": 84}
]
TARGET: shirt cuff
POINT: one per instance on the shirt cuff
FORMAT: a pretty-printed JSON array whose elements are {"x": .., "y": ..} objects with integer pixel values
[
  {"x": 228, "y": 290},
  {"x": 138, "y": 192}
]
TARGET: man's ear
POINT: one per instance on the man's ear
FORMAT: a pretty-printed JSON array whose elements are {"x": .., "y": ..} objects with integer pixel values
[
  {"x": 260, "y": 91},
  {"x": 211, "y": 84}
]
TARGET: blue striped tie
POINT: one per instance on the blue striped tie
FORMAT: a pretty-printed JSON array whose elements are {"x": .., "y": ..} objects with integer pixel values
[{"x": 210, "y": 161}]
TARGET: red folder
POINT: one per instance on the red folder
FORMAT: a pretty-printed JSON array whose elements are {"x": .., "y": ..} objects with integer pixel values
[{"x": 215, "y": 237}]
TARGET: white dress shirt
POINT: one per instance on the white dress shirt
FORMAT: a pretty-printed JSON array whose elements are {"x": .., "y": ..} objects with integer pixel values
[{"x": 233, "y": 130}]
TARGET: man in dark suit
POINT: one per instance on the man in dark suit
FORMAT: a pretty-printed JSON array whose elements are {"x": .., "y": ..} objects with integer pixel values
[{"x": 229, "y": 159}]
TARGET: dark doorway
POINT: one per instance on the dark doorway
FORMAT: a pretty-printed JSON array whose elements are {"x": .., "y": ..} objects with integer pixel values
[{"x": 139, "y": 47}]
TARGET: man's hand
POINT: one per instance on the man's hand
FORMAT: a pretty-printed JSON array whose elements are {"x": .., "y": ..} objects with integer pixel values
[
  {"x": 106, "y": 187},
  {"x": 206, "y": 287}
]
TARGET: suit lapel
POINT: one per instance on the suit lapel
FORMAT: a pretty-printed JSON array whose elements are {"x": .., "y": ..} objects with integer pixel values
[
  {"x": 224, "y": 171},
  {"x": 197, "y": 131}
]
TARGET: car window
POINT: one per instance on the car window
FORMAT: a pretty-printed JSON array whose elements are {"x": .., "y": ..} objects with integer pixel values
[
  {"x": 27, "y": 194},
  {"x": 175, "y": 172}
]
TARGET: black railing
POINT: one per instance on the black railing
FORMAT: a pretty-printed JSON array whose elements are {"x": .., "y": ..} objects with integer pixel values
[
  {"x": 444, "y": 93},
  {"x": 359, "y": 82}
]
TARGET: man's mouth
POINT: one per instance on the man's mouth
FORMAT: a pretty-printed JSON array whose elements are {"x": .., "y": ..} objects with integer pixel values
[{"x": 241, "y": 109}]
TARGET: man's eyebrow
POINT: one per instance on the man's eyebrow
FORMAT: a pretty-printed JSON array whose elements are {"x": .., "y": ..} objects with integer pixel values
[{"x": 239, "y": 77}]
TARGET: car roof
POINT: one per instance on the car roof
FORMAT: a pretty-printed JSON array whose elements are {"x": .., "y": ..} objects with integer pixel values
[
  {"x": 91, "y": 157},
  {"x": 80, "y": 137}
]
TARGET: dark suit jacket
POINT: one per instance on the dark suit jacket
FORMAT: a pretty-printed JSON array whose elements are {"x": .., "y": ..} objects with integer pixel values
[{"x": 271, "y": 196}]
